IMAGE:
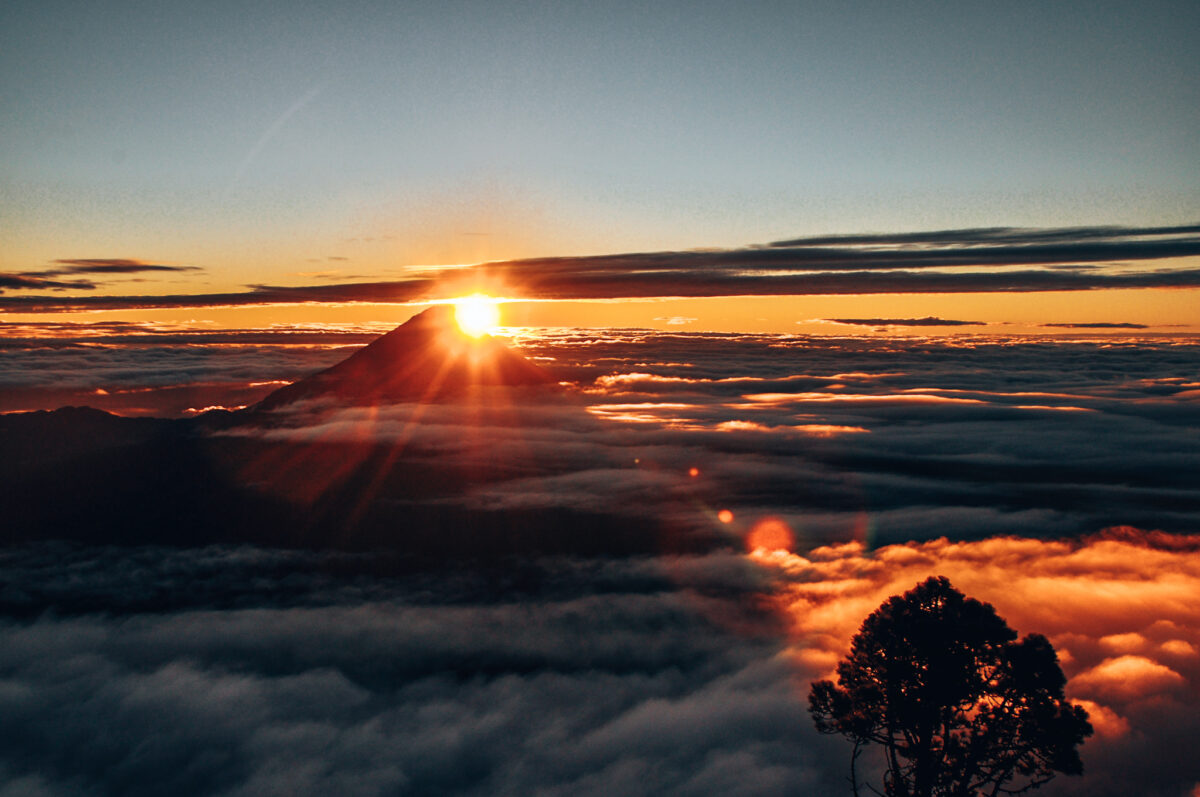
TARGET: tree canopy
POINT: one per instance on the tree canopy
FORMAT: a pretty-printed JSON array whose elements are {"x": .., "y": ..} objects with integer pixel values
[{"x": 958, "y": 705}]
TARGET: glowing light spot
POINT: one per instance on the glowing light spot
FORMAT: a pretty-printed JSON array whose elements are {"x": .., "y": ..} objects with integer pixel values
[
  {"x": 477, "y": 315},
  {"x": 725, "y": 516},
  {"x": 770, "y": 534},
  {"x": 693, "y": 472}
]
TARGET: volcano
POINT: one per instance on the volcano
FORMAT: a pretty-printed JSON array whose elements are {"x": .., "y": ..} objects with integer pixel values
[
  {"x": 427, "y": 358},
  {"x": 390, "y": 483}
]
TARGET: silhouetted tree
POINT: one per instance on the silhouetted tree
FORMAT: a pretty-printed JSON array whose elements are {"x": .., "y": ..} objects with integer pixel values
[{"x": 959, "y": 706}]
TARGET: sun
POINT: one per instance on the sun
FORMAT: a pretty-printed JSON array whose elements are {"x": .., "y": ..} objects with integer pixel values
[{"x": 477, "y": 315}]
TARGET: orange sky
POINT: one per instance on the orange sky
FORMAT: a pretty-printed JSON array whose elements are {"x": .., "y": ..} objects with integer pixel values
[{"x": 1169, "y": 311}]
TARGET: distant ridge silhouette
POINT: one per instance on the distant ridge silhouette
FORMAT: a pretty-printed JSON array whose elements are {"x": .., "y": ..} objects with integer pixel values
[{"x": 424, "y": 359}]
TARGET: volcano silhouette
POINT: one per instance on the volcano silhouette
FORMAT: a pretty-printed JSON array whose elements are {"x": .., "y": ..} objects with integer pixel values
[
  {"x": 426, "y": 358},
  {"x": 244, "y": 477}
]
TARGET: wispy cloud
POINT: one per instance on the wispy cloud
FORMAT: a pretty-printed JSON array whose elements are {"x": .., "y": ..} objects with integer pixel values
[
  {"x": 273, "y": 129},
  {"x": 1098, "y": 325},
  {"x": 50, "y": 278},
  {"x": 398, "y": 292},
  {"x": 929, "y": 321},
  {"x": 962, "y": 261},
  {"x": 101, "y": 265},
  {"x": 28, "y": 281},
  {"x": 993, "y": 236}
]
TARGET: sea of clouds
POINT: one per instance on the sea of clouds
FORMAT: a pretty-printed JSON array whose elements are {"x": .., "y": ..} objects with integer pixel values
[
  {"x": 252, "y": 671},
  {"x": 996, "y": 462},
  {"x": 884, "y": 440}
]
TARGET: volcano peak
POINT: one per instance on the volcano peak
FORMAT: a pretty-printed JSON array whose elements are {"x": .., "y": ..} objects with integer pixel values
[{"x": 427, "y": 358}]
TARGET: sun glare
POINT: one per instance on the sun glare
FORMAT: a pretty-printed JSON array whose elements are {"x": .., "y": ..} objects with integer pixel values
[{"x": 477, "y": 315}]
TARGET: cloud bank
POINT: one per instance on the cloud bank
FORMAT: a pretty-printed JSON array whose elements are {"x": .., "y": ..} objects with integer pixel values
[
  {"x": 251, "y": 671},
  {"x": 1118, "y": 608},
  {"x": 872, "y": 462},
  {"x": 890, "y": 438},
  {"x": 948, "y": 261}
]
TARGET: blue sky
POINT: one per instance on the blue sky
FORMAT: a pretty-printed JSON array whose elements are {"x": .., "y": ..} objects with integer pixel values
[{"x": 250, "y": 139}]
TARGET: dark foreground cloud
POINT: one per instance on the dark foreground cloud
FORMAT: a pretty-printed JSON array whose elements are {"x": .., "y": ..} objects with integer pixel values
[
  {"x": 954, "y": 261},
  {"x": 253, "y": 671},
  {"x": 644, "y": 687}
]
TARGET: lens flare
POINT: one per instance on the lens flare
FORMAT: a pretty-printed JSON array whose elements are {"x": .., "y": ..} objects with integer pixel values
[{"x": 770, "y": 534}]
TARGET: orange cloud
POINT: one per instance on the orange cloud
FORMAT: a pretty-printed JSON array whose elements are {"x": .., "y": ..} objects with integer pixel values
[
  {"x": 1127, "y": 677},
  {"x": 1120, "y": 608},
  {"x": 1106, "y": 722},
  {"x": 1124, "y": 643}
]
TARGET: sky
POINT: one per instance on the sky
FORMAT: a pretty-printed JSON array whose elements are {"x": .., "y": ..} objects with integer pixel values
[
  {"x": 831, "y": 298},
  {"x": 290, "y": 145}
]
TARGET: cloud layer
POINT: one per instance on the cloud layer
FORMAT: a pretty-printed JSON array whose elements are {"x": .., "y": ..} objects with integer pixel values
[
  {"x": 250, "y": 671},
  {"x": 948, "y": 261},
  {"x": 591, "y": 678},
  {"x": 51, "y": 278},
  {"x": 1118, "y": 607},
  {"x": 891, "y": 438},
  {"x": 872, "y": 462},
  {"x": 928, "y": 321}
]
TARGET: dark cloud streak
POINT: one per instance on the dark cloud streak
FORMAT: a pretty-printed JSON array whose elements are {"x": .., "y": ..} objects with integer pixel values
[
  {"x": 928, "y": 321},
  {"x": 1075, "y": 259},
  {"x": 98, "y": 265},
  {"x": 38, "y": 283},
  {"x": 992, "y": 236},
  {"x": 47, "y": 279},
  {"x": 681, "y": 284},
  {"x": 398, "y": 292},
  {"x": 1098, "y": 325}
]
